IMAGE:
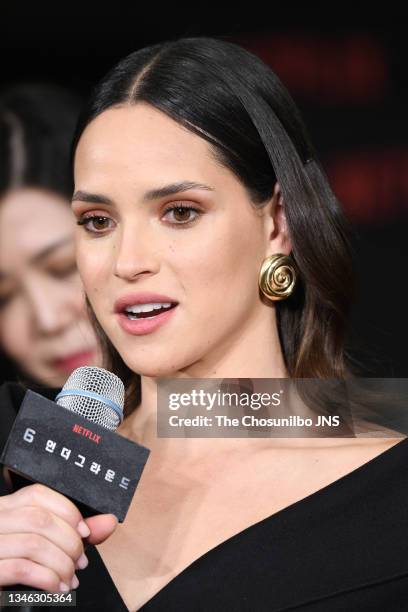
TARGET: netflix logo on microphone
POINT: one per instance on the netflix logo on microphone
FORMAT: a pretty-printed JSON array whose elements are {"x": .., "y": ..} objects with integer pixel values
[{"x": 87, "y": 433}]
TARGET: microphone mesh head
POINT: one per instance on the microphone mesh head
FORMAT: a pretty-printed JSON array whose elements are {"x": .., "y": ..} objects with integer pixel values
[{"x": 96, "y": 381}]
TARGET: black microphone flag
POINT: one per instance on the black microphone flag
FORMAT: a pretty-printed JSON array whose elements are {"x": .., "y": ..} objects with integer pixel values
[{"x": 93, "y": 466}]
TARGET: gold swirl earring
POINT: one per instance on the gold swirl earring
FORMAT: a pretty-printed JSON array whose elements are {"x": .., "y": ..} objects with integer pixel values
[{"x": 277, "y": 276}]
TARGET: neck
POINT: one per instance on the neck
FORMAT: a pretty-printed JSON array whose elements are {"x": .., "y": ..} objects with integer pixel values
[{"x": 251, "y": 353}]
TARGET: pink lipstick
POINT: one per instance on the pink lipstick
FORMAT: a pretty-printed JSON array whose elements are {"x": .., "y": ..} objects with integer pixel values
[
  {"x": 75, "y": 360},
  {"x": 135, "y": 322}
]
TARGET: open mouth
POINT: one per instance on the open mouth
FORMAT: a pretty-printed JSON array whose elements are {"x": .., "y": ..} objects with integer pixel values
[{"x": 151, "y": 313}]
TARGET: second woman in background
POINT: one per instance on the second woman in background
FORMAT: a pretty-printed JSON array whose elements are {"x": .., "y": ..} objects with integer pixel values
[{"x": 44, "y": 328}]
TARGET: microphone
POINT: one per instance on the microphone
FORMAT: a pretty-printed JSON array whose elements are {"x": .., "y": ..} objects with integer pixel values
[{"x": 70, "y": 445}]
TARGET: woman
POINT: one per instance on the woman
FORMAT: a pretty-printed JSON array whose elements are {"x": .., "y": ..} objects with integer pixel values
[
  {"x": 192, "y": 172},
  {"x": 44, "y": 329}
]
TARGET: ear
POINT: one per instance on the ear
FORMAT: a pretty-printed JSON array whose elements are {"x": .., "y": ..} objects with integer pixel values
[{"x": 278, "y": 240}]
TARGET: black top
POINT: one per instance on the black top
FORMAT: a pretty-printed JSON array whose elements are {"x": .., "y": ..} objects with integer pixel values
[{"x": 343, "y": 548}]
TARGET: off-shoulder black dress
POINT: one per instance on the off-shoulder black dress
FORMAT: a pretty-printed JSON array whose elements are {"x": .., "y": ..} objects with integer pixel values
[{"x": 343, "y": 548}]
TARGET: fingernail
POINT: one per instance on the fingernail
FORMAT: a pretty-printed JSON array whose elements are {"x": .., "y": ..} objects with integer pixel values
[
  {"x": 74, "y": 582},
  {"x": 82, "y": 562},
  {"x": 83, "y": 529},
  {"x": 64, "y": 587}
]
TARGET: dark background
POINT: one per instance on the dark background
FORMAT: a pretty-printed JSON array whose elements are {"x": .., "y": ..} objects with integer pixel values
[{"x": 345, "y": 65}]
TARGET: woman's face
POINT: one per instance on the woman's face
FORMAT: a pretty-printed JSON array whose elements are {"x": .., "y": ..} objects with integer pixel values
[
  {"x": 43, "y": 322},
  {"x": 207, "y": 259}
]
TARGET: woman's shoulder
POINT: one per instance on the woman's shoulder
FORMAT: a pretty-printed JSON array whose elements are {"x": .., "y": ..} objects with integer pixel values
[
  {"x": 371, "y": 457},
  {"x": 376, "y": 445},
  {"x": 380, "y": 452}
]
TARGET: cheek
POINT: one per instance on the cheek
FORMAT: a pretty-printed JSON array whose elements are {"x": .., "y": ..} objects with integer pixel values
[
  {"x": 74, "y": 292},
  {"x": 15, "y": 332},
  {"x": 222, "y": 273},
  {"x": 93, "y": 267}
]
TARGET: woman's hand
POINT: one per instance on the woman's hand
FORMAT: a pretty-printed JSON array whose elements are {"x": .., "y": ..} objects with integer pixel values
[{"x": 41, "y": 535}]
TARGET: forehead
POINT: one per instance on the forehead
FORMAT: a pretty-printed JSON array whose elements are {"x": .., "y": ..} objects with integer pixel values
[
  {"x": 140, "y": 138},
  {"x": 31, "y": 219}
]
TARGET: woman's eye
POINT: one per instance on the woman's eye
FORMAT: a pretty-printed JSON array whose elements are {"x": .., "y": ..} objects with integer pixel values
[
  {"x": 63, "y": 271},
  {"x": 5, "y": 299},
  {"x": 95, "y": 223},
  {"x": 98, "y": 224},
  {"x": 182, "y": 214}
]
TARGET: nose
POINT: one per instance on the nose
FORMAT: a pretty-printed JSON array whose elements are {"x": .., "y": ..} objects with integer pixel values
[
  {"x": 136, "y": 254},
  {"x": 53, "y": 304}
]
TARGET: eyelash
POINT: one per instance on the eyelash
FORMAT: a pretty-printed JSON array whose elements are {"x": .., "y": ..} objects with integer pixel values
[{"x": 85, "y": 220}]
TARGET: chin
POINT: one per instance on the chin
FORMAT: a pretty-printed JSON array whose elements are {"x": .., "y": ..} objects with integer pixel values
[
  {"x": 154, "y": 372},
  {"x": 153, "y": 361},
  {"x": 52, "y": 380},
  {"x": 153, "y": 369}
]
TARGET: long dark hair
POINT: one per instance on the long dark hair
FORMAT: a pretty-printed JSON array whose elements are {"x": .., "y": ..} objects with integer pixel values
[
  {"x": 229, "y": 97},
  {"x": 37, "y": 123}
]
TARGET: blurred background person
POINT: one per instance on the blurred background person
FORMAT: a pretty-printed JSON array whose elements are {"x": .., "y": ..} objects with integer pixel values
[{"x": 44, "y": 328}]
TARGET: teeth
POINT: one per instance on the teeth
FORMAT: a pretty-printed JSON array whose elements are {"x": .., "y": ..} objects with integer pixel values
[{"x": 146, "y": 307}]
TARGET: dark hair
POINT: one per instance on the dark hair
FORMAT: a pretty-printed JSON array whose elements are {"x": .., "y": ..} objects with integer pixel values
[
  {"x": 231, "y": 98},
  {"x": 37, "y": 123}
]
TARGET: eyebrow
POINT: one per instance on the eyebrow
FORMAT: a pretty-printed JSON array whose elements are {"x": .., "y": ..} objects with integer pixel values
[
  {"x": 45, "y": 252},
  {"x": 152, "y": 194}
]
